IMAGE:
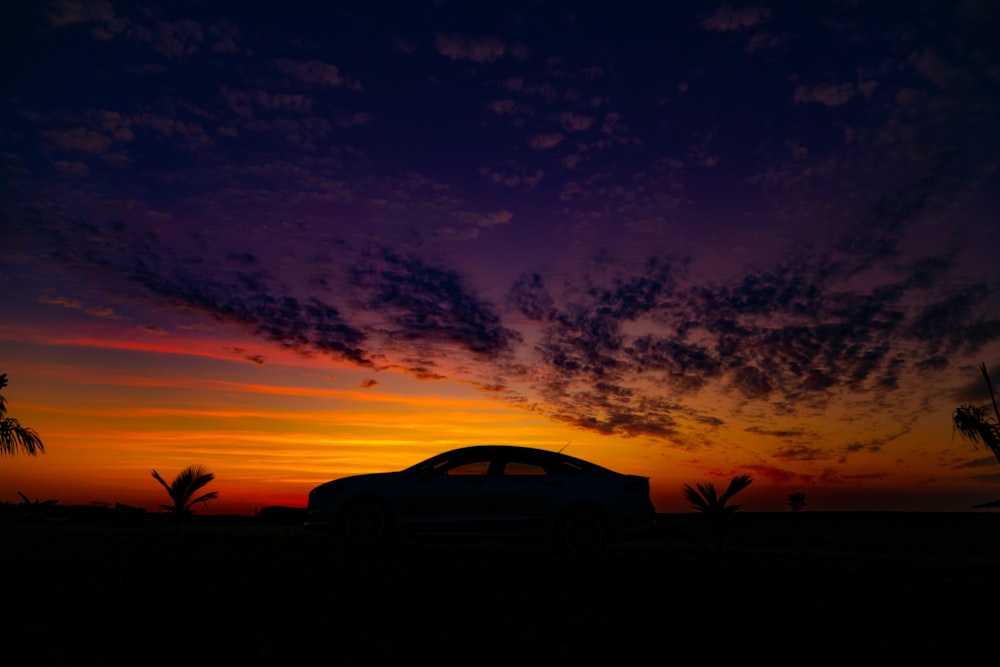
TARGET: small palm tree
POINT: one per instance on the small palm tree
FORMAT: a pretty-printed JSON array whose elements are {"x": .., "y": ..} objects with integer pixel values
[
  {"x": 183, "y": 489},
  {"x": 704, "y": 498},
  {"x": 13, "y": 436},
  {"x": 974, "y": 423},
  {"x": 716, "y": 508}
]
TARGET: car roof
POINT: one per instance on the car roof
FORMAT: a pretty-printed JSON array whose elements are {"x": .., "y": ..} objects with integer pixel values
[{"x": 495, "y": 450}]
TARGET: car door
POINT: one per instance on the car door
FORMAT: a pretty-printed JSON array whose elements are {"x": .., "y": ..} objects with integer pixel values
[
  {"x": 521, "y": 495},
  {"x": 448, "y": 497}
]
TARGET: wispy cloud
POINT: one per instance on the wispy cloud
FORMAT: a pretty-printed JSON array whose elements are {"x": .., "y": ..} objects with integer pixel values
[{"x": 729, "y": 19}]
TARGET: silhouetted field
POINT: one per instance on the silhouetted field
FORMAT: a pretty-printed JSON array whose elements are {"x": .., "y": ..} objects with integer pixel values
[{"x": 807, "y": 589}]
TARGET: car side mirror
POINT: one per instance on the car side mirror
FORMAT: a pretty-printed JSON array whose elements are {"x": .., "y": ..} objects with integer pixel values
[{"x": 425, "y": 471}]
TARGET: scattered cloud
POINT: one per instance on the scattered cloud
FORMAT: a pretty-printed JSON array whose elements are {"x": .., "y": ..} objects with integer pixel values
[
  {"x": 545, "y": 141},
  {"x": 827, "y": 94},
  {"x": 729, "y": 19},
  {"x": 775, "y": 475},
  {"x": 474, "y": 49},
  {"x": 315, "y": 73},
  {"x": 984, "y": 462},
  {"x": 801, "y": 453}
]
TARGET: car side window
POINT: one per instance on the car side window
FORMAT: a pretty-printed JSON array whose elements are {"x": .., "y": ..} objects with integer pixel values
[
  {"x": 472, "y": 468},
  {"x": 521, "y": 468}
]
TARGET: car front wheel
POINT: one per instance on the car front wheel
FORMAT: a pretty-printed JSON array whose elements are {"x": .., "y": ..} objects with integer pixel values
[
  {"x": 582, "y": 532},
  {"x": 365, "y": 523}
]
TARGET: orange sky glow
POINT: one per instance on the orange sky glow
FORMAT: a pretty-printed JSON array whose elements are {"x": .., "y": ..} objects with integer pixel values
[{"x": 112, "y": 411}]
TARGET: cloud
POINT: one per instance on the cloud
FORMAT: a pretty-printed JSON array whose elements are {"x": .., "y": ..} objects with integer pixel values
[
  {"x": 729, "y": 19},
  {"x": 574, "y": 122},
  {"x": 801, "y": 453},
  {"x": 797, "y": 333},
  {"x": 545, "y": 141},
  {"x": 61, "y": 301},
  {"x": 988, "y": 479},
  {"x": 833, "y": 477},
  {"x": 827, "y": 94},
  {"x": 315, "y": 73},
  {"x": 72, "y": 168},
  {"x": 777, "y": 433},
  {"x": 79, "y": 139},
  {"x": 776, "y": 475},
  {"x": 249, "y": 298},
  {"x": 426, "y": 304},
  {"x": 102, "y": 312},
  {"x": 504, "y": 107},
  {"x": 68, "y": 12},
  {"x": 243, "y": 102},
  {"x": 474, "y": 49},
  {"x": 179, "y": 38},
  {"x": 984, "y": 462},
  {"x": 762, "y": 41},
  {"x": 513, "y": 175}
]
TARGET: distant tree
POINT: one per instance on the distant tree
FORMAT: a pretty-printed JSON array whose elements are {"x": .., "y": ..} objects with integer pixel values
[
  {"x": 974, "y": 422},
  {"x": 716, "y": 508},
  {"x": 797, "y": 501},
  {"x": 182, "y": 490},
  {"x": 13, "y": 436}
]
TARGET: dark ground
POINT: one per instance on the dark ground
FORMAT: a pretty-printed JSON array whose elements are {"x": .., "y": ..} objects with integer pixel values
[{"x": 804, "y": 589}]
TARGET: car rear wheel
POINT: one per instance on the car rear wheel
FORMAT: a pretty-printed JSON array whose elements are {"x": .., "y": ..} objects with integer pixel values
[
  {"x": 582, "y": 532},
  {"x": 365, "y": 523}
]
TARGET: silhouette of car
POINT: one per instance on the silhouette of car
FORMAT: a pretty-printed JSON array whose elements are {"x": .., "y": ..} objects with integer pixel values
[{"x": 492, "y": 490}]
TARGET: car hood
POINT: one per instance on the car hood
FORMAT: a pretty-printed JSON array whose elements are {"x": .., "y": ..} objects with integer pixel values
[{"x": 354, "y": 481}]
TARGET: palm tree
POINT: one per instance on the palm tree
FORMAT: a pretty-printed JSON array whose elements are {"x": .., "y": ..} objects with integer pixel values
[
  {"x": 716, "y": 508},
  {"x": 974, "y": 423},
  {"x": 705, "y": 500},
  {"x": 183, "y": 489},
  {"x": 13, "y": 436}
]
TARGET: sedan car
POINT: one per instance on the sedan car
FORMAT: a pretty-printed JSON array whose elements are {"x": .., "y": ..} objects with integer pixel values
[{"x": 487, "y": 491}]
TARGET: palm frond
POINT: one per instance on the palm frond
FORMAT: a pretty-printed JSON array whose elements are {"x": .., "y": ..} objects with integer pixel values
[
  {"x": 203, "y": 499},
  {"x": 14, "y": 437},
  {"x": 184, "y": 486},
  {"x": 159, "y": 479},
  {"x": 696, "y": 498},
  {"x": 736, "y": 485},
  {"x": 973, "y": 423},
  {"x": 703, "y": 496}
]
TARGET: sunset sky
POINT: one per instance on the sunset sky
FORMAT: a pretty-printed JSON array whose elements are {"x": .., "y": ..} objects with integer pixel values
[{"x": 294, "y": 241}]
